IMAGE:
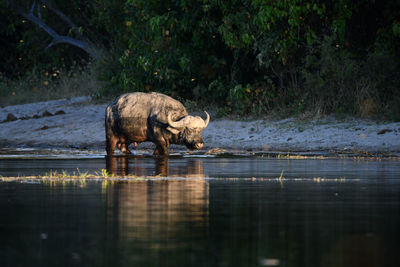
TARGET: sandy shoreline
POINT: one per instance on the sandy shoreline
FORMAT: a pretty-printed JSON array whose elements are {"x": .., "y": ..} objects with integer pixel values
[{"x": 79, "y": 124}]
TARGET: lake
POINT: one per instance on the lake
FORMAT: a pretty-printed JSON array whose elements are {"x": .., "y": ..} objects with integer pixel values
[{"x": 201, "y": 211}]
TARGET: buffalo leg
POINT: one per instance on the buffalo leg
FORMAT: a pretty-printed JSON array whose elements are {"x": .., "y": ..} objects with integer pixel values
[
  {"x": 123, "y": 145},
  {"x": 161, "y": 150},
  {"x": 111, "y": 141},
  {"x": 135, "y": 144},
  {"x": 161, "y": 147}
]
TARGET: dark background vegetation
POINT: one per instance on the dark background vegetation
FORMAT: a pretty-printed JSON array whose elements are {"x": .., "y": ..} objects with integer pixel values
[{"x": 242, "y": 57}]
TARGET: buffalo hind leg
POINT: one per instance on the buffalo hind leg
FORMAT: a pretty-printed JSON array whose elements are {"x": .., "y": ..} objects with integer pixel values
[
  {"x": 123, "y": 145},
  {"x": 111, "y": 141}
]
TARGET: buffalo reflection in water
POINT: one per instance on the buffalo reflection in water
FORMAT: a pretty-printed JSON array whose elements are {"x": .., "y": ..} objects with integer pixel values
[
  {"x": 159, "y": 211},
  {"x": 141, "y": 166}
]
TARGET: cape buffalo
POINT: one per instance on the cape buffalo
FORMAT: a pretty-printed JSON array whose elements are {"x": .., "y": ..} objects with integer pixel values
[{"x": 138, "y": 117}]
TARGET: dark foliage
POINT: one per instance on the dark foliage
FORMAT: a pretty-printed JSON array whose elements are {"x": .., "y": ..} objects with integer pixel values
[{"x": 243, "y": 57}]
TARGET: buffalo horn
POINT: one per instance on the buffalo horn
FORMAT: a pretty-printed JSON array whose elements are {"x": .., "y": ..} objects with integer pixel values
[
  {"x": 175, "y": 124},
  {"x": 207, "y": 119}
]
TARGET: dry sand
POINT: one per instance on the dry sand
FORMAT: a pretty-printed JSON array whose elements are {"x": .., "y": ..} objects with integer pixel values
[{"x": 82, "y": 126}]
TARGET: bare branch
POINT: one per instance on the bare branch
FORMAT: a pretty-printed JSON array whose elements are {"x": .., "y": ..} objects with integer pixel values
[
  {"x": 29, "y": 16},
  {"x": 57, "y": 39},
  {"x": 33, "y": 7},
  {"x": 62, "y": 16},
  {"x": 39, "y": 11}
]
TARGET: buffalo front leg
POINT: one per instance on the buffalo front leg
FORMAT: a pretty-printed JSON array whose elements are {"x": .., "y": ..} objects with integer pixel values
[
  {"x": 161, "y": 151},
  {"x": 161, "y": 148}
]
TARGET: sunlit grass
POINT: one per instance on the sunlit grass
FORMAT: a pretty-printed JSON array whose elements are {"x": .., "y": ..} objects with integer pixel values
[
  {"x": 105, "y": 177},
  {"x": 312, "y": 155},
  {"x": 281, "y": 176}
]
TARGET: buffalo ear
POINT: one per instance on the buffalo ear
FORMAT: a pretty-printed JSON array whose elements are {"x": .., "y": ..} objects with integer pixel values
[{"x": 172, "y": 130}]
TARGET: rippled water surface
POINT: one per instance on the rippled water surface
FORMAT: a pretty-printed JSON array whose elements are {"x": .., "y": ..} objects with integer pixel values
[{"x": 202, "y": 211}]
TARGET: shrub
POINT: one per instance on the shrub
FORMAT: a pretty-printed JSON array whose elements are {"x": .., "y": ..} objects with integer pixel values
[
  {"x": 337, "y": 80},
  {"x": 41, "y": 85}
]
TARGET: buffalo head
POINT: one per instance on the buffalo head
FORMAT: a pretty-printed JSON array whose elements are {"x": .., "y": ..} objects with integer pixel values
[{"x": 189, "y": 129}]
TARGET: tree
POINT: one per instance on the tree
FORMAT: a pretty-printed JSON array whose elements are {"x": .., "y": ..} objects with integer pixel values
[{"x": 81, "y": 42}]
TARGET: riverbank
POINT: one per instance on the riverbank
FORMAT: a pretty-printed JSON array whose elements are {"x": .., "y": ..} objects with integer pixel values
[{"x": 77, "y": 123}]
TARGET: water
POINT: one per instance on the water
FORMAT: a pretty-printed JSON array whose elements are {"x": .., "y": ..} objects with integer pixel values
[{"x": 202, "y": 211}]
